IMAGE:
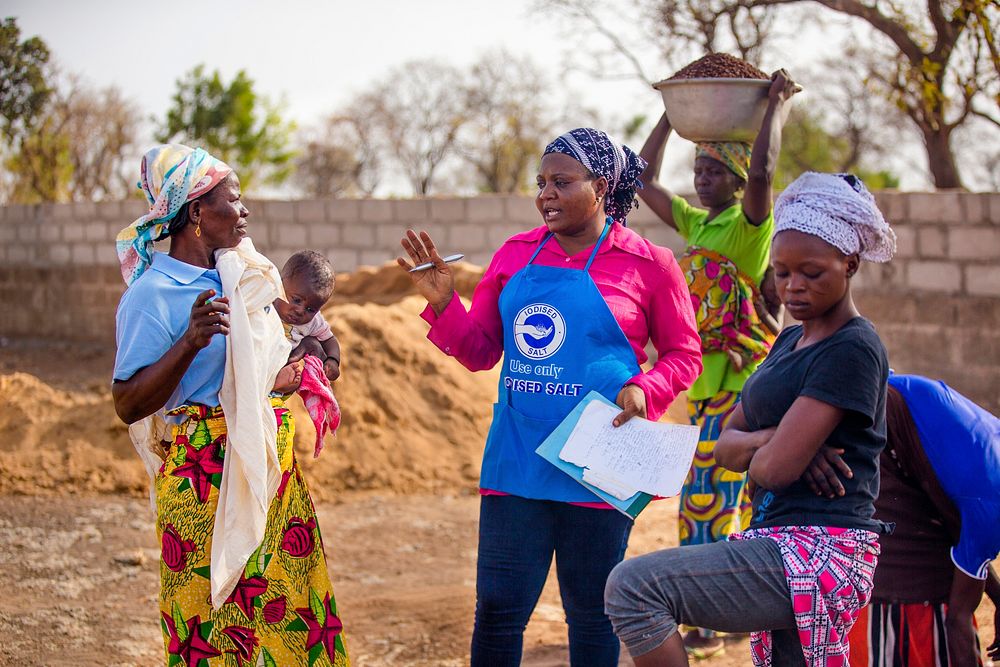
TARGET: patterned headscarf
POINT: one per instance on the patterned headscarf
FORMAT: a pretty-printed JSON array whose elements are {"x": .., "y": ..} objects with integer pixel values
[
  {"x": 838, "y": 209},
  {"x": 734, "y": 154},
  {"x": 171, "y": 175},
  {"x": 605, "y": 157}
]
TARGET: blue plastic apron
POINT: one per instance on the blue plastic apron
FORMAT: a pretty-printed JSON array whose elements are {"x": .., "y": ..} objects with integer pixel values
[{"x": 560, "y": 342}]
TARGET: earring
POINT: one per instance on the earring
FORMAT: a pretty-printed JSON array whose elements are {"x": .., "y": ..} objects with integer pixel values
[{"x": 197, "y": 229}]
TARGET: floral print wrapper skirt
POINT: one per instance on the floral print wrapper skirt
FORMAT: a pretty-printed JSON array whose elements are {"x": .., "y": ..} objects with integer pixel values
[
  {"x": 282, "y": 612},
  {"x": 713, "y": 502}
]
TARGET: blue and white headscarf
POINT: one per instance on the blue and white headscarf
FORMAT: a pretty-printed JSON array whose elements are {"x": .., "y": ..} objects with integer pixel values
[{"x": 603, "y": 156}]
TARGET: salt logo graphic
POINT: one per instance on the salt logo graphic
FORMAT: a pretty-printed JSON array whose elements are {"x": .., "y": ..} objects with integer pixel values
[{"x": 539, "y": 331}]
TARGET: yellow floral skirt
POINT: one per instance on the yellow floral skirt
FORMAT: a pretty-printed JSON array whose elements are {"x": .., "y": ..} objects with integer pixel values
[{"x": 282, "y": 612}]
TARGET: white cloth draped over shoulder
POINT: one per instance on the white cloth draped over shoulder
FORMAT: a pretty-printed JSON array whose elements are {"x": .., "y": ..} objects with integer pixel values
[{"x": 256, "y": 349}]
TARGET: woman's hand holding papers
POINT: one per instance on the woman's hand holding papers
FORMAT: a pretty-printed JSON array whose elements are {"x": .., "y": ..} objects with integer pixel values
[{"x": 632, "y": 400}]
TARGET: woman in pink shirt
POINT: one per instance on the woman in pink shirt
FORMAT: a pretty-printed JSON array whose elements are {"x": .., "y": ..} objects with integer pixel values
[{"x": 570, "y": 306}]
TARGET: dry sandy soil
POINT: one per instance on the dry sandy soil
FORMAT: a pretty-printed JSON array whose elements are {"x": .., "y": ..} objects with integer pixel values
[{"x": 395, "y": 490}]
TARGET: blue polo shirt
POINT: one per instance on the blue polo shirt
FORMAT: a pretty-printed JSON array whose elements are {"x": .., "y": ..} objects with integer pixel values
[
  {"x": 153, "y": 314},
  {"x": 962, "y": 443}
]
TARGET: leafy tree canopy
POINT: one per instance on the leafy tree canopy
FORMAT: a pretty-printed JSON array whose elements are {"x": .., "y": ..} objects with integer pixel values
[{"x": 233, "y": 123}]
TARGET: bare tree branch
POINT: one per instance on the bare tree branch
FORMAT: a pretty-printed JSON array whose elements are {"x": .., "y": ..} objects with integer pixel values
[
  {"x": 582, "y": 9},
  {"x": 884, "y": 24},
  {"x": 985, "y": 116}
]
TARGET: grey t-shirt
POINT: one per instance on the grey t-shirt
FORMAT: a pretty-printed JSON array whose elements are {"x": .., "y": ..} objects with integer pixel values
[{"x": 847, "y": 370}]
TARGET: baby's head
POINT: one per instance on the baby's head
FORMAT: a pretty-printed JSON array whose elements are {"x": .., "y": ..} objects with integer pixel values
[{"x": 308, "y": 281}]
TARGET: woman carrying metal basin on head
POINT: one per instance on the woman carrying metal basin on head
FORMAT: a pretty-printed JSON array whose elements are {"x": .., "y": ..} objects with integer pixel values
[{"x": 726, "y": 257}]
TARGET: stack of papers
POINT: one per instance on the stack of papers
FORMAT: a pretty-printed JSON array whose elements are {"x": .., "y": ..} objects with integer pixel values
[{"x": 624, "y": 466}]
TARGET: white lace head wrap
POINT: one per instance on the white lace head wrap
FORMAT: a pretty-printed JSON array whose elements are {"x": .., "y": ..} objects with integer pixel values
[{"x": 839, "y": 209}]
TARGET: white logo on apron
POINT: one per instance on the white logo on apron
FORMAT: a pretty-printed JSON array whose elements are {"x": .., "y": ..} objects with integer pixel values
[{"x": 539, "y": 331}]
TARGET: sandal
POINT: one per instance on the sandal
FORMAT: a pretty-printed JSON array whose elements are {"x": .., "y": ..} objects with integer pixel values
[{"x": 706, "y": 652}]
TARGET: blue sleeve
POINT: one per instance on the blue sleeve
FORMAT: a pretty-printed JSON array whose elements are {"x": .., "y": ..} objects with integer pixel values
[
  {"x": 979, "y": 541},
  {"x": 142, "y": 335}
]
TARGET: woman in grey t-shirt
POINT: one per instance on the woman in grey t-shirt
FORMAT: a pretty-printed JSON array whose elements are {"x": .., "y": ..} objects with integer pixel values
[{"x": 799, "y": 576}]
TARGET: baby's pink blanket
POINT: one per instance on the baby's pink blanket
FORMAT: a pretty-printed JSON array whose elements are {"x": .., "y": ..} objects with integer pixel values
[{"x": 318, "y": 397}]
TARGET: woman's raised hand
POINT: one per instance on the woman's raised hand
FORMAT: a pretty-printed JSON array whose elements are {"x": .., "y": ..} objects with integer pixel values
[
  {"x": 436, "y": 284},
  {"x": 782, "y": 86},
  {"x": 208, "y": 317}
]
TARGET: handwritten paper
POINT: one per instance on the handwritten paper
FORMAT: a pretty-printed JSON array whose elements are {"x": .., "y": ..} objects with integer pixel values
[{"x": 640, "y": 455}]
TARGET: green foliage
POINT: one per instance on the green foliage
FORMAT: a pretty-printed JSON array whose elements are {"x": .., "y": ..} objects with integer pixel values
[
  {"x": 62, "y": 141},
  {"x": 24, "y": 88},
  {"x": 35, "y": 153},
  {"x": 632, "y": 130},
  {"x": 807, "y": 146},
  {"x": 41, "y": 164},
  {"x": 232, "y": 123}
]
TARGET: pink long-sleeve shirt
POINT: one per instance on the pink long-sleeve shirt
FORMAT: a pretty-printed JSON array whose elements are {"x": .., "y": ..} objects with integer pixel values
[{"x": 641, "y": 283}]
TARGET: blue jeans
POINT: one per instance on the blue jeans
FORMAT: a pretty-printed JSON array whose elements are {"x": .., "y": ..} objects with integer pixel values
[{"x": 517, "y": 537}]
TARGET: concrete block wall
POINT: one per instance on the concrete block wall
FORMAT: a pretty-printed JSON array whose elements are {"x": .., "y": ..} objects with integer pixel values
[{"x": 936, "y": 305}]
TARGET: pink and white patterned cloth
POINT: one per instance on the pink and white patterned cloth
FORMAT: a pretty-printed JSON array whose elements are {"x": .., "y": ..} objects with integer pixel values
[
  {"x": 317, "y": 395},
  {"x": 829, "y": 572}
]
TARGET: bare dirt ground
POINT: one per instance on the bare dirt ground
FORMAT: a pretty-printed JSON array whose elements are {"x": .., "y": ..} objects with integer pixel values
[{"x": 79, "y": 579}]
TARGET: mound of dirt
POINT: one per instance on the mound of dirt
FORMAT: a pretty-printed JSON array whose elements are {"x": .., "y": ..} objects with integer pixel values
[
  {"x": 388, "y": 283},
  {"x": 413, "y": 418},
  {"x": 59, "y": 442}
]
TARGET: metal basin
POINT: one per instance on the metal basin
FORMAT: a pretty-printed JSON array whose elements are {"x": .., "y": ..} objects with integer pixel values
[{"x": 717, "y": 109}]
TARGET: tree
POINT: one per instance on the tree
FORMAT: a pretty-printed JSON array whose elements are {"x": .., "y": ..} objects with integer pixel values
[
  {"x": 75, "y": 148},
  {"x": 678, "y": 30},
  {"x": 63, "y": 140},
  {"x": 102, "y": 127},
  {"x": 417, "y": 112},
  {"x": 934, "y": 65},
  {"x": 712, "y": 26},
  {"x": 24, "y": 86},
  {"x": 339, "y": 156},
  {"x": 39, "y": 168},
  {"x": 806, "y": 146},
  {"x": 24, "y": 93},
  {"x": 233, "y": 123},
  {"x": 508, "y": 122}
]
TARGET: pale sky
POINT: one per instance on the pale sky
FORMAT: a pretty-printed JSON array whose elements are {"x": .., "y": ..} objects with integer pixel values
[{"x": 315, "y": 55}]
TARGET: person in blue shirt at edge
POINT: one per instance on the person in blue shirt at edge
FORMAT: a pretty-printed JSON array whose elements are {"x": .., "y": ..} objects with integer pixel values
[
  {"x": 940, "y": 486},
  {"x": 733, "y": 183}
]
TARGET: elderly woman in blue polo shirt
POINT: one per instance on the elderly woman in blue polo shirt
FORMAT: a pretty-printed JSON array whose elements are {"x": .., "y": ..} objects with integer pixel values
[{"x": 271, "y": 602}]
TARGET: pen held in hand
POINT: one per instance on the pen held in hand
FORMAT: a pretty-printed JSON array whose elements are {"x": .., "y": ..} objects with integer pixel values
[{"x": 429, "y": 265}]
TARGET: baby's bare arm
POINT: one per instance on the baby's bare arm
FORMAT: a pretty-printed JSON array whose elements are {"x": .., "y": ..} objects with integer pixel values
[{"x": 331, "y": 366}]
